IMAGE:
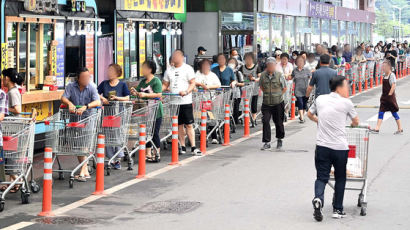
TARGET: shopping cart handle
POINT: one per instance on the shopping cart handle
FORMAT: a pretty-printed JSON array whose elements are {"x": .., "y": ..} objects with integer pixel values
[
  {"x": 170, "y": 94},
  {"x": 360, "y": 126}
]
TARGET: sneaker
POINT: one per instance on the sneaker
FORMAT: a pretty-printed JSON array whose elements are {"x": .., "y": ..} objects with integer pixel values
[
  {"x": 266, "y": 146},
  {"x": 214, "y": 141},
  {"x": 338, "y": 214},
  {"x": 182, "y": 151},
  {"x": 117, "y": 165},
  {"x": 317, "y": 207},
  {"x": 196, "y": 152},
  {"x": 398, "y": 132},
  {"x": 279, "y": 145}
]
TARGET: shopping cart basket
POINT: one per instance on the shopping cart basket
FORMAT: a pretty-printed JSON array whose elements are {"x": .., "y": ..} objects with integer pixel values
[
  {"x": 18, "y": 135},
  {"x": 114, "y": 125},
  {"x": 69, "y": 134},
  {"x": 146, "y": 113},
  {"x": 170, "y": 109},
  {"x": 358, "y": 139}
]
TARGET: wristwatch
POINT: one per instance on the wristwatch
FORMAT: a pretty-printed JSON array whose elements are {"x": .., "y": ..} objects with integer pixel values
[{"x": 87, "y": 106}]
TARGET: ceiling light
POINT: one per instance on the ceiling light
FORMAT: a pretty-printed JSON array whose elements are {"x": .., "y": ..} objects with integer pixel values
[{"x": 72, "y": 31}]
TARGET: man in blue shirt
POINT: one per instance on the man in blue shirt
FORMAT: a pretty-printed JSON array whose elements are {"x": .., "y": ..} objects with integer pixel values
[
  {"x": 347, "y": 54},
  {"x": 81, "y": 93},
  {"x": 321, "y": 78}
]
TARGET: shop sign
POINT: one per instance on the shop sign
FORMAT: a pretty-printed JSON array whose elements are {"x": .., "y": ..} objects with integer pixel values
[
  {"x": 142, "y": 46},
  {"x": 322, "y": 10},
  {"x": 346, "y": 14},
  {"x": 89, "y": 53},
  {"x": 4, "y": 56},
  {"x": 165, "y": 6},
  {"x": 294, "y": 7},
  {"x": 59, "y": 36},
  {"x": 53, "y": 52},
  {"x": 44, "y": 109},
  {"x": 120, "y": 46},
  {"x": 41, "y": 6}
]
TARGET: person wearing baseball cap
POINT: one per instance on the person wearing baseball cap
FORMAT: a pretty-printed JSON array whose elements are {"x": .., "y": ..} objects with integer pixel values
[
  {"x": 273, "y": 86},
  {"x": 198, "y": 57}
]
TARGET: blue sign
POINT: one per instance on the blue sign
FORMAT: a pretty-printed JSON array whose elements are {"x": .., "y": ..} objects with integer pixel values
[{"x": 59, "y": 34}]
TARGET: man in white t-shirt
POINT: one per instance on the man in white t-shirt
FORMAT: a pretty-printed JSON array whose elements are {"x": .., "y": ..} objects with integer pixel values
[
  {"x": 181, "y": 80},
  {"x": 330, "y": 112}
]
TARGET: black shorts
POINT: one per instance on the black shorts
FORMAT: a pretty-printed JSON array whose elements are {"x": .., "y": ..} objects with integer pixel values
[
  {"x": 186, "y": 115},
  {"x": 254, "y": 104},
  {"x": 301, "y": 103}
]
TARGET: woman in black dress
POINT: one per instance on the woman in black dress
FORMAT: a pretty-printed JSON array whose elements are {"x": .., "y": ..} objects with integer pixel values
[{"x": 388, "y": 102}]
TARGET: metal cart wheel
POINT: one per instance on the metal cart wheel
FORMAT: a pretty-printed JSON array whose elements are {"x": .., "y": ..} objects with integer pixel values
[
  {"x": 130, "y": 163},
  {"x": 71, "y": 182},
  {"x": 61, "y": 176},
  {"x": 360, "y": 200},
  {"x": 2, "y": 203},
  {"x": 25, "y": 197},
  {"x": 108, "y": 171},
  {"x": 363, "y": 211},
  {"x": 35, "y": 188}
]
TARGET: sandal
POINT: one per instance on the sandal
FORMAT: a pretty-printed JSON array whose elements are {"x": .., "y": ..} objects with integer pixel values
[
  {"x": 80, "y": 178},
  {"x": 15, "y": 189}
]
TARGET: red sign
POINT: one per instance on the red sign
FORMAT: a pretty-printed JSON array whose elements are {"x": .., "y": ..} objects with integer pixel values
[{"x": 89, "y": 53}]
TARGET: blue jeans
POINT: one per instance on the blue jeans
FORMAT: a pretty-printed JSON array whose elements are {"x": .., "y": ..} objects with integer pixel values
[{"x": 324, "y": 159}]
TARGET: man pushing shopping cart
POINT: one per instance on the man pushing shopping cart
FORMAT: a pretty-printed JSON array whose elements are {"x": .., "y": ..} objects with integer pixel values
[{"x": 330, "y": 112}]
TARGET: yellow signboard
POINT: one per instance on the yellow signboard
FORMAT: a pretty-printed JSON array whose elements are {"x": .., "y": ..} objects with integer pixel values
[
  {"x": 4, "y": 56},
  {"x": 165, "y": 6},
  {"x": 53, "y": 63},
  {"x": 120, "y": 46},
  {"x": 44, "y": 109},
  {"x": 142, "y": 46}
]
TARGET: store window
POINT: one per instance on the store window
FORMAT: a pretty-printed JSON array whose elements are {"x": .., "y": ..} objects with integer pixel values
[
  {"x": 290, "y": 33},
  {"x": 334, "y": 32},
  {"x": 277, "y": 39},
  {"x": 34, "y": 39},
  {"x": 325, "y": 32},
  {"x": 263, "y": 32},
  {"x": 343, "y": 38},
  {"x": 303, "y": 33},
  {"x": 315, "y": 31},
  {"x": 237, "y": 32}
]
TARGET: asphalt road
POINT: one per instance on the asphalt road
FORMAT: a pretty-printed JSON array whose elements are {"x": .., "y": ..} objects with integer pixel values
[{"x": 241, "y": 187}]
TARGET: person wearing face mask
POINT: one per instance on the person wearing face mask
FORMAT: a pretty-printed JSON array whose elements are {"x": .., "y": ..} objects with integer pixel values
[
  {"x": 391, "y": 55},
  {"x": 199, "y": 57},
  {"x": 224, "y": 73},
  {"x": 339, "y": 59},
  {"x": 233, "y": 64},
  {"x": 311, "y": 62},
  {"x": 295, "y": 55},
  {"x": 234, "y": 54}
]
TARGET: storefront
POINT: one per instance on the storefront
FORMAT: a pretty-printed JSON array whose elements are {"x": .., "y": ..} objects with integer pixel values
[
  {"x": 48, "y": 43},
  {"x": 145, "y": 32}
]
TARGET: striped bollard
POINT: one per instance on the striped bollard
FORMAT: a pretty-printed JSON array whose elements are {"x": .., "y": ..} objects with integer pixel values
[
  {"x": 246, "y": 130},
  {"x": 293, "y": 105},
  {"x": 174, "y": 147},
  {"x": 377, "y": 74},
  {"x": 354, "y": 84},
  {"x": 371, "y": 78},
  {"x": 99, "y": 175},
  {"x": 227, "y": 129},
  {"x": 141, "y": 146},
  {"x": 47, "y": 183},
  {"x": 202, "y": 146},
  {"x": 360, "y": 79},
  {"x": 366, "y": 81}
]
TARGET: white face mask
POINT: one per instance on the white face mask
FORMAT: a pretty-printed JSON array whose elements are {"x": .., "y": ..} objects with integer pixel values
[
  {"x": 232, "y": 66},
  {"x": 294, "y": 57}
]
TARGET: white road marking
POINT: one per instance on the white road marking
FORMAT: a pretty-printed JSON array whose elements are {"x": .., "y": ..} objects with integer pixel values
[
  {"x": 18, "y": 226},
  {"x": 376, "y": 117},
  {"x": 405, "y": 102}
]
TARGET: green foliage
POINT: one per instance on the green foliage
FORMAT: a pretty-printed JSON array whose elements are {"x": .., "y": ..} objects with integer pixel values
[{"x": 387, "y": 17}]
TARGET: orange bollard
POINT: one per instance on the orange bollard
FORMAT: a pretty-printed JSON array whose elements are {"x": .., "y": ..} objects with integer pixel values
[
  {"x": 227, "y": 129},
  {"x": 174, "y": 148},
  {"x": 292, "y": 107},
  {"x": 360, "y": 80},
  {"x": 141, "y": 146},
  {"x": 354, "y": 85},
  {"x": 366, "y": 81},
  {"x": 99, "y": 175},
  {"x": 47, "y": 183},
  {"x": 377, "y": 73},
  {"x": 202, "y": 146},
  {"x": 246, "y": 130}
]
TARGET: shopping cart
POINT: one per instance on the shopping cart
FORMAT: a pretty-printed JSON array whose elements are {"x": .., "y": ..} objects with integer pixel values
[
  {"x": 69, "y": 134},
  {"x": 114, "y": 126},
  {"x": 358, "y": 139},
  {"x": 170, "y": 109},
  {"x": 18, "y": 137},
  {"x": 144, "y": 112}
]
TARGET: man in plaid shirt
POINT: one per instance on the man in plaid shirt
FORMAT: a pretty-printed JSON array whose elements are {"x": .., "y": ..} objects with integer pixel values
[{"x": 3, "y": 112}]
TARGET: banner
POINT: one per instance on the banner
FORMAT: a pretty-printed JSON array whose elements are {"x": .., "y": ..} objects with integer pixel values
[
  {"x": 164, "y": 6},
  {"x": 294, "y": 7},
  {"x": 142, "y": 46},
  {"x": 4, "y": 56},
  {"x": 120, "y": 46},
  {"x": 89, "y": 53},
  {"x": 353, "y": 15},
  {"x": 59, "y": 36},
  {"x": 321, "y": 10}
]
